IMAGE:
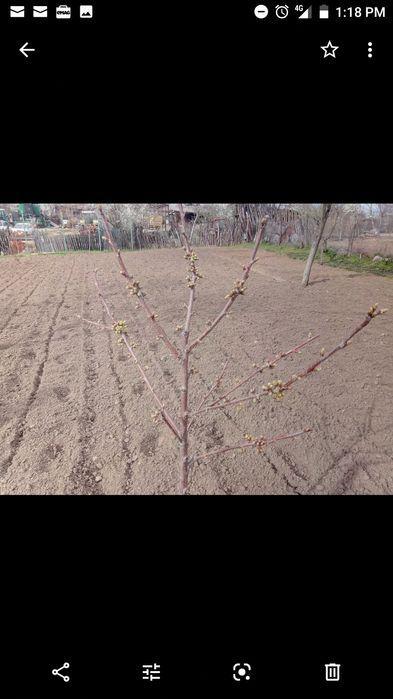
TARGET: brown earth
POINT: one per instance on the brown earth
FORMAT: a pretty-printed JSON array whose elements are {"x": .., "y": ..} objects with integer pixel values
[{"x": 75, "y": 418}]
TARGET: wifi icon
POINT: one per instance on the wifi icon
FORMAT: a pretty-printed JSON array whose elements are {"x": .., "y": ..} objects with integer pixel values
[{"x": 306, "y": 14}]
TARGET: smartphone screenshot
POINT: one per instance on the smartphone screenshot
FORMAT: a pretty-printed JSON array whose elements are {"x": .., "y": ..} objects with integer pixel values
[{"x": 196, "y": 270}]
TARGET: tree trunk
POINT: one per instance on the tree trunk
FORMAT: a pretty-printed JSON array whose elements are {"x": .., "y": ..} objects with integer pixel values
[
  {"x": 352, "y": 236},
  {"x": 329, "y": 235},
  {"x": 315, "y": 244},
  {"x": 322, "y": 251}
]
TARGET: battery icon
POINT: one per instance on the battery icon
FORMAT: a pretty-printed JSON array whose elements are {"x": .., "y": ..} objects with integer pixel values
[{"x": 324, "y": 12}]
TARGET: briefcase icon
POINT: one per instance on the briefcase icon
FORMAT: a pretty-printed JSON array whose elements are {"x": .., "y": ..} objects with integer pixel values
[
  {"x": 63, "y": 12},
  {"x": 17, "y": 11},
  {"x": 40, "y": 10}
]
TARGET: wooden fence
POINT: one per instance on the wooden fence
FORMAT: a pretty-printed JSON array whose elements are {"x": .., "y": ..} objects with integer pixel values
[{"x": 215, "y": 232}]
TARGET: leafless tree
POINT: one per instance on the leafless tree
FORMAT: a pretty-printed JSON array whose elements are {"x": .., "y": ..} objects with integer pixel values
[
  {"x": 355, "y": 229},
  {"x": 330, "y": 229},
  {"x": 315, "y": 244}
]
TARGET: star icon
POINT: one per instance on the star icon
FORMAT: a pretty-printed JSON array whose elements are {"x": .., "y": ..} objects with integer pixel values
[{"x": 329, "y": 50}]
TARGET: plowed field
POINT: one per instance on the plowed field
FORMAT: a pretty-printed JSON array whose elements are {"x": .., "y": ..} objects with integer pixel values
[{"x": 75, "y": 417}]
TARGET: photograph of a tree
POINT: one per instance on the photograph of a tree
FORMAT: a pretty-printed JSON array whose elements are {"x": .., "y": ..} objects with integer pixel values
[{"x": 181, "y": 421}]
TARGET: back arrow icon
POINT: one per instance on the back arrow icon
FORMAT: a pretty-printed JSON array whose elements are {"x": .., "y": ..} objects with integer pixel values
[{"x": 24, "y": 49}]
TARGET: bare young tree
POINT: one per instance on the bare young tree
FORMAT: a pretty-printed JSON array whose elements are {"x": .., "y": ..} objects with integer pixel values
[
  {"x": 180, "y": 422},
  {"x": 355, "y": 229},
  {"x": 315, "y": 244},
  {"x": 330, "y": 230}
]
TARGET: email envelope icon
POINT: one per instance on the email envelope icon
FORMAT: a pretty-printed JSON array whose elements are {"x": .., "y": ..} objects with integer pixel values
[
  {"x": 40, "y": 10},
  {"x": 17, "y": 10}
]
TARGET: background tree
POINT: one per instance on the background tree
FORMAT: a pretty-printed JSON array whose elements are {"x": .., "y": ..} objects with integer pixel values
[
  {"x": 330, "y": 228},
  {"x": 315, "y": 244}
]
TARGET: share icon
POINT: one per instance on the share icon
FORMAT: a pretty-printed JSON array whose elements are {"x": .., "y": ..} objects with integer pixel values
[{"x": 57, "y": 671}]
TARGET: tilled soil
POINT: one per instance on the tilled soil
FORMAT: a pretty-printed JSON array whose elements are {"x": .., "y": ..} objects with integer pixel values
[{"x": 76, "y": 418}]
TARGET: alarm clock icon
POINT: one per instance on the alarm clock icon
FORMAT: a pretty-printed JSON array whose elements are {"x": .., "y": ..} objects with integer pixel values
[{"x": 282, "y": 11}]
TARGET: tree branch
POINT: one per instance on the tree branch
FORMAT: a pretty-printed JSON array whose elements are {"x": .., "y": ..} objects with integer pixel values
[
  {"x": 123, "y": 335},
  {"x": 215, "y": 385},
  {"x": 268, "y": 364},
  {"x": 93, "y": 322},
  {"x": 372, "y": 313},
  {"x": 238, "y": 288},
  {"x": 223, "y": 403},
  {"x": 258, "y": 444},
  {"x": 135, "y": 288},
  {"x": 228, "y": 404},
  {"x": 192, "y": 280}
]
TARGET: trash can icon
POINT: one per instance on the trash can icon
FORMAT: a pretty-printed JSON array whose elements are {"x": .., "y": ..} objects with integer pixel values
[{"x": 332, "y": 672}]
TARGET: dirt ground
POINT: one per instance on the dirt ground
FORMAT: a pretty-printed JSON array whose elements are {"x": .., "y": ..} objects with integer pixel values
[{"x": 75, "y": 418}]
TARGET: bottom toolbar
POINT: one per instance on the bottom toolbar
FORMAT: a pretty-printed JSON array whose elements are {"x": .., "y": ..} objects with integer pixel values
[{"x": 270, "y": 670}]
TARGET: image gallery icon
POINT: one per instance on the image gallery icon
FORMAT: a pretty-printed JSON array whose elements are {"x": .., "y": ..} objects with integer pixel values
[
  {"x": 151, "y": 672},
  {"x": 86, "y": 11},
  {"x": 332, "y": 672},
  {"x": 17, "y": 11},
  {"x": 63, "y": 12},
  {"x": 40, "y": 11}
]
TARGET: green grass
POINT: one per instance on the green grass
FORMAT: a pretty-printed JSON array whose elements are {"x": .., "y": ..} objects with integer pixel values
[
  {"x": 332, "y": 259},
  {"x": 359, "y": 264}
]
